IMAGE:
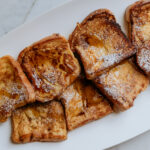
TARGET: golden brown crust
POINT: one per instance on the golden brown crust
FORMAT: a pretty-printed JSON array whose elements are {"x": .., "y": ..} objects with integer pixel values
[
  {"x": 122, "y": 84},
  {"x": 132, "y": 7},
  {"x": 51, "y": 37},
  {"x": 39, "y": 122},
  {"x": 100, "y": 13},
  {"x": 135, "y": 17},
  {"x": 50, "y": 66},
  {"x": 24, "y": 79},
  {"x": 138, "y": 20},
  {"x": 93, "y": 40},
  {"x": 83, "y": 104},
  {"x": 15, "y": 89}
]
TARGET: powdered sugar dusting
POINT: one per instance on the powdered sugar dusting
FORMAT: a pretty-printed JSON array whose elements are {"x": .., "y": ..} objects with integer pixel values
[
  {"x": 119, "y": 83},
  {"x": 11, "y": 96},
  {"x": 111, "y": 59},
  {"x": 96, "y": 59},
  {"x": 144, "y": 59},
  {"x": 68, "y": 94},
  {"x": 113, "y": 84}
]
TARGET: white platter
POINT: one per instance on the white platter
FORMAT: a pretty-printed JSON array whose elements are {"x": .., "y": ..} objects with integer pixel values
[{"x": 97, "y": 135}]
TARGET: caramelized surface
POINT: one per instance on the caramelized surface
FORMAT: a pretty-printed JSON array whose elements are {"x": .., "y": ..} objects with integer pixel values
[
  {"x": 140, "y": 16},
  {"x": 139, "y": 23},
  {"x": 122, "y": 84},
  {"x": 100, "y": 44},
  {"x": 12, "y": 91},
  {"x": 50, "y": 66},
  {"x": 83, "y": 103},
  {"x": 39, "y": 122}
]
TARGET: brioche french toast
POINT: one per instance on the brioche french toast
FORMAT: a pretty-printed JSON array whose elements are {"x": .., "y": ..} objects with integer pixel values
[
  {"x": 100, "y": 43},
  {"x": 39, "y": 122},
  {"x": 138, "y": 19},
  {"x": 50, "y": 66},
  {"x": 122, "y": 84},
  {"x": 83, "y": 104},
  {"x": 15, "y": 89}
]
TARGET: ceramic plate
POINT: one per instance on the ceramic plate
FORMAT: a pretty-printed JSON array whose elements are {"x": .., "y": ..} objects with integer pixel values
[{"x": 97, "y": 135}]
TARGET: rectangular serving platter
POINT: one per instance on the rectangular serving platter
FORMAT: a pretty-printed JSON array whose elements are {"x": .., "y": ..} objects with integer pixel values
[{"x": 100, "y": 134}]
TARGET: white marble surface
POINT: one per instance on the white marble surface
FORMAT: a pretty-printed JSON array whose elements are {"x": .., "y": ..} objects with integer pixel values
[{"x": 15, "y": 12}]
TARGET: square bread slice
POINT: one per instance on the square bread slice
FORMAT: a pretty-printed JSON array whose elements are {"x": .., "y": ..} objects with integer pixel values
[
  {"x": 15, "y": 89},
  {"x": 100, "y": 43},
  {"x": 39, "y": 122},
  {"x": 138, "y": 20},
  {"x": 50, "y": 66},
  {"x": 122, "y": 84},
  {"x": 83, "y": 103}
]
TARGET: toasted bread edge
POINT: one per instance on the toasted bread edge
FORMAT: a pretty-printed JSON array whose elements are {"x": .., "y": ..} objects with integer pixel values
[
  {"x": 92, "y": 15},
  {"x": 51, "y": 37},
  {"x": 128, "y": 13},
  {"x": 25, "y": 81}
]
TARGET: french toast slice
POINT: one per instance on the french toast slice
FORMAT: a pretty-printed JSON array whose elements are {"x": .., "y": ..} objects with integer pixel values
[
  {"x": 39, "y": 122},
  {"x": 122, "y": 84},
  {"x": 100, "y": 43},
  {"x": 138, "y": 21},
  {"x": 50, "y": 66},
  {"x": 15, "y": 89},
  {"x": 83, "y": 103}
]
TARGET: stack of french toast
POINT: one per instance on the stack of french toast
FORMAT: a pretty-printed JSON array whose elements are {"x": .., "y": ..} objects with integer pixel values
[{"x": 57, "y": 85}]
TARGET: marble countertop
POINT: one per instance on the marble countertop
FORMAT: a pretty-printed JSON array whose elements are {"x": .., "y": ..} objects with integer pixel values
[{"x": 16, "y": 12}]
